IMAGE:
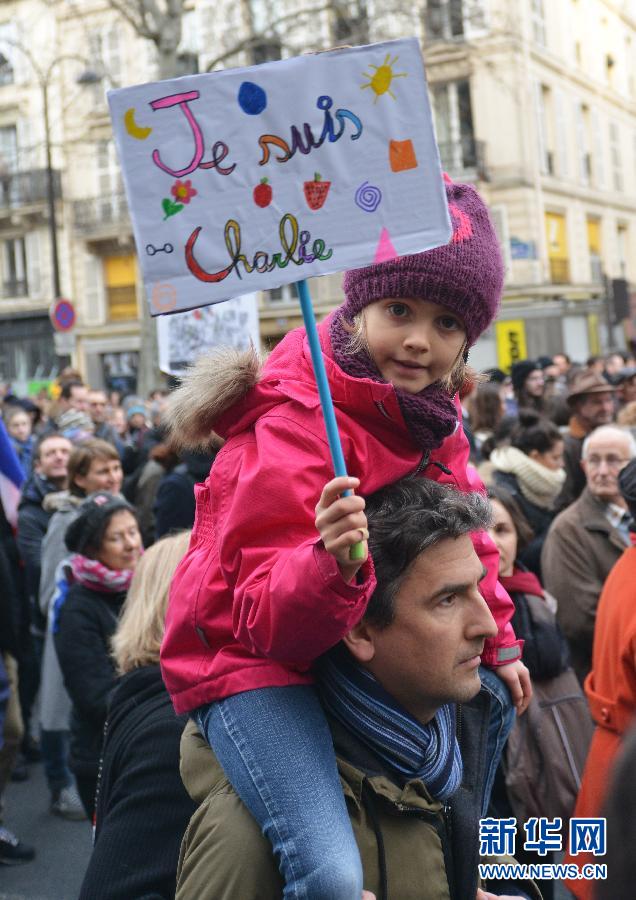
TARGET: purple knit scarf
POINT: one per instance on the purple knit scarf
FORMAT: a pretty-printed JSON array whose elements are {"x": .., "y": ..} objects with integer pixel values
[{"x": 430, "y": 416}]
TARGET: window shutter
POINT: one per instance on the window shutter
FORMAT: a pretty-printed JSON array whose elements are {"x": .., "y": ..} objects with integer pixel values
[
  {"x": 561, "y": 133},
  {"x": 540, "y": 117},
  {"x": 599, "y": 167},
  {"x": 34, "y": 272},
  {"x": 580, "y": 142},
  {"x": 93, "y": 288}
]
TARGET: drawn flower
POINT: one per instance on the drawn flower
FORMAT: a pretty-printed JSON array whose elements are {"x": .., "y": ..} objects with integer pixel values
[{"x": 182, "y": 191}]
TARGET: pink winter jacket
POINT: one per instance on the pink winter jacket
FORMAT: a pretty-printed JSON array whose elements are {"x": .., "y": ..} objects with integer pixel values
[{"x": 257, "y": 599}]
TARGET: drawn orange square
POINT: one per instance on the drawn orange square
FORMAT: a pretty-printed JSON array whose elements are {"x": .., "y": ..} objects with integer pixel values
[{"x": 402, "y": 156}]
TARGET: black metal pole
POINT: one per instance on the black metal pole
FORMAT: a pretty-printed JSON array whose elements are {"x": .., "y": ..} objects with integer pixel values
[
  {"x": 50, "y": 195},
  {"x": 607, "y": 309}
]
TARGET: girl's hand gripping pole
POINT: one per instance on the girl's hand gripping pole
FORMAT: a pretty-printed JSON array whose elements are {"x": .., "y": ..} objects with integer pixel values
[{"x": 357, "y": 551}]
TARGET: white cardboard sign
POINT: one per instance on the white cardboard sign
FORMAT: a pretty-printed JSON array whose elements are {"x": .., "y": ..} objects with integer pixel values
[
  {"x": 185, "y": 336},
  {"x": 246, "y": 179}
]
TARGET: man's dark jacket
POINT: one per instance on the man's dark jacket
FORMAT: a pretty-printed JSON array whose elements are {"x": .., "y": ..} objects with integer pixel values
[
  {"x": 403, "y": 835},
  {"x": 33, "y": 520}
]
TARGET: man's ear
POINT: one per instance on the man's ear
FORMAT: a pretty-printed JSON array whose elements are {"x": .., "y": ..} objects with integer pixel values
[{"x": 359, "y": 642}]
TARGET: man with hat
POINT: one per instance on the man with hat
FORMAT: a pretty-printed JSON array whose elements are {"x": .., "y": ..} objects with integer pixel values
[
  {"x": 625, "y": 382},
  {"x": 591, "y": 402}
]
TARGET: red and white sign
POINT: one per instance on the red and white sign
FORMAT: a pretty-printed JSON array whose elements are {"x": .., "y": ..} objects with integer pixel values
[{"x": 62, "y": 315}]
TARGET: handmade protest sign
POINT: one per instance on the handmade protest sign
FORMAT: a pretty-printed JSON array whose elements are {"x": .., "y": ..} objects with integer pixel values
[
  {"x": 185, "y": 336},
  {"x": 247, "y": 179}
]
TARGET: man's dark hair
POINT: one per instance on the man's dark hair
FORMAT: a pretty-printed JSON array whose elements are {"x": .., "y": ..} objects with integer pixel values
[
  {"x": 67, "y": 389},
  {"x": 37, "y": 449},
  {"x": 405, "y": 519}
]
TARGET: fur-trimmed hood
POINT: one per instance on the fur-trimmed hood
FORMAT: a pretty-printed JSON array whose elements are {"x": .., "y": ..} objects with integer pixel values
[{"x": 211, "y": 387}]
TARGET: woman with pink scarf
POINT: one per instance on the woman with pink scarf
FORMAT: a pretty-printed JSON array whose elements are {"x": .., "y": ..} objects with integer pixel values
[{"x": 105, "y": 544}]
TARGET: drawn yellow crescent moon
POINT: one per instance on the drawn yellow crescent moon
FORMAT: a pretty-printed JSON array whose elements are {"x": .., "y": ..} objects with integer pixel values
[{"x": 132, "y": 128}]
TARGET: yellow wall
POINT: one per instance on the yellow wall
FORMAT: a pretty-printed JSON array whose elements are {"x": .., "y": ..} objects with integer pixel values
[
  {"x": 120, "y": 277},
  {"x": 556, "y": 236},
  {"x": 594, "y": 236}
]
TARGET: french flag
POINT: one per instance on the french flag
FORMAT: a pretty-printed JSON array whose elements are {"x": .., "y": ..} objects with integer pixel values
[{"x": 11, "y": 477}]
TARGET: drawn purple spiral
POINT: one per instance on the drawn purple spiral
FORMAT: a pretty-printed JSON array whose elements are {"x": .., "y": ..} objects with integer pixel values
[{"x": 368, "y": 197}]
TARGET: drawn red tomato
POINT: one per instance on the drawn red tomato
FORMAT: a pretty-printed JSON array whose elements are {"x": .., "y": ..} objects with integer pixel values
[
  {"x": 316, "y": 191},
  {"x": 263, "y": 194}
]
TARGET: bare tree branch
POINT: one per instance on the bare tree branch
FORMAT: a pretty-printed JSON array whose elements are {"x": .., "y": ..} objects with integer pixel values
[{"x": 139, "y": 23}]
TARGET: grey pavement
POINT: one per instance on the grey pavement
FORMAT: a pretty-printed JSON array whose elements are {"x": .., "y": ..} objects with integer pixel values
[{"x": 63, "y": 848}]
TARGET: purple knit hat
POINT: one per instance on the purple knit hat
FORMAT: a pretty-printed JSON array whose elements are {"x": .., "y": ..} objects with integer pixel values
[{"x": 466, "y": 275}]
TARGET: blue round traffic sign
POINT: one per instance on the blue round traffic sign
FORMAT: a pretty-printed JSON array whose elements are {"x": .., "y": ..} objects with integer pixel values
[{"x": 63, "y": 315}]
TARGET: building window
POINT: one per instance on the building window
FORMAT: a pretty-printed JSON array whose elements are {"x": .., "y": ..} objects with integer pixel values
[
  {"x": 558, "y": 257},
  {"x": 26, "y": 349},
  {"x": 546, "y": 129},
  {"x": 538, "y": 22},
  {"x": 8, "y": 37},
  {"x": 454, "y": 126},
  {"x": 622, "y": 235},
  {"x": 120, "y": 371},
  {"x": 120, "y": 279},
  {"x": 594, "y": 248},
  {"x": 111, "y": 202},
  {"x": 266, "y": 44},
  {"x": 14, "y": 268},
  {"x": 280, "y": 296},
  {"x": 105, "y": 51},
  {"x": 615, "y": 156},
  {"x": 584, "y": 143},
  {"x": 351, "y": 22},
  {"x": 444, "y": 19},
  {"x": 8, "y": 148}
]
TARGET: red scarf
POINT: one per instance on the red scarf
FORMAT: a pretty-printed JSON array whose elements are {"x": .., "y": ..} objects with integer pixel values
[
  {"x": 521, "y": 582},
  {"x": 97, "y": 577}
]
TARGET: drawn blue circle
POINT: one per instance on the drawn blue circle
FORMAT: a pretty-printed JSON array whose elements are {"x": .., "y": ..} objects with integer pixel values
[{"x": 252, "y": 98}]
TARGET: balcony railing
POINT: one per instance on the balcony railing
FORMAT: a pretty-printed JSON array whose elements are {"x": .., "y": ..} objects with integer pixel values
[
  {"x": 15, "y": 288},
  {"x": 464, "y": 157},
  {"x": 560, "y": 271},
  {"x": 20, "y": 189},
  {"x": 98, "y": 214}
]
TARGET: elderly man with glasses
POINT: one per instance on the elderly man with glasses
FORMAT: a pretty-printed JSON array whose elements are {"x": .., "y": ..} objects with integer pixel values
[{"x": 587, "y": 538}]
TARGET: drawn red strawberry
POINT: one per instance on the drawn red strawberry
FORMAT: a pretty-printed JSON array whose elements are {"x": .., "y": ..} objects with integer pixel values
[
  {"x": 263, "y": 194},
  {"x": 316, "y": 192}
]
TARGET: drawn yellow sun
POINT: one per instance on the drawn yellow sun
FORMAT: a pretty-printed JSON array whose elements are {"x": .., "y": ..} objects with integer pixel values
[{"x": 380, "y": 81}]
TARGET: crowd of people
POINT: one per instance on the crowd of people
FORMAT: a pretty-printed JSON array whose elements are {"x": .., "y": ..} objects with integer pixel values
[{"x": 223, "y": 656}]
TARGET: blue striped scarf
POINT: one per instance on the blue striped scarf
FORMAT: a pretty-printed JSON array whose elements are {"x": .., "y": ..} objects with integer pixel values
[{"x": 356, "y": 699}]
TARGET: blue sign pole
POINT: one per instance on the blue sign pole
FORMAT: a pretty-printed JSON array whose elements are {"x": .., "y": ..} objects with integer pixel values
[{"x": 324, "y": 392}]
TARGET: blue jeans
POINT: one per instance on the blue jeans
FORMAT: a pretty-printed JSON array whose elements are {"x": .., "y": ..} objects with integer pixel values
[
  {"x": 55, "y": 748},
  {"x": 502, "y": 718},
  {"x": 276, "y": 749}
]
